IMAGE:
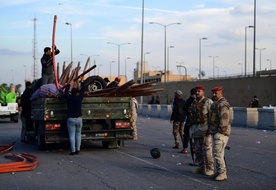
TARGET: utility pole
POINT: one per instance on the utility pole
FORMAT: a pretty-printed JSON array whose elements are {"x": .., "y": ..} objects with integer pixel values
[{"x": 34, "y": 51}]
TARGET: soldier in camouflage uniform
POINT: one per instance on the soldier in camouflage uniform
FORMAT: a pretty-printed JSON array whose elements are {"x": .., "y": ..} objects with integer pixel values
[
  {"x": 199, "y": 119},
  {"x": 219, "y": 130}
]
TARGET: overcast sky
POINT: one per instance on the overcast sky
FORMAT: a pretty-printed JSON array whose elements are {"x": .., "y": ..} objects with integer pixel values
[{"x": 96, "y": 22}]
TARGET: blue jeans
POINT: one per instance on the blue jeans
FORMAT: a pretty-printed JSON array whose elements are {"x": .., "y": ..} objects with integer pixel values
[{"x": 74, "y": 126}]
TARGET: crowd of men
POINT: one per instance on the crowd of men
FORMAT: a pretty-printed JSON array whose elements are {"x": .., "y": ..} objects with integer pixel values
[{"x": 205, "y": 122}]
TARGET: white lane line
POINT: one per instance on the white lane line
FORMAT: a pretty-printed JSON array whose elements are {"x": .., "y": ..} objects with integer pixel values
[{"x": 161, "y": 167}]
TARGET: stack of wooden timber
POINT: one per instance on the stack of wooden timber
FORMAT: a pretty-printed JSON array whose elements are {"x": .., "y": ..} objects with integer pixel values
[{"x": 129, "y": 89}]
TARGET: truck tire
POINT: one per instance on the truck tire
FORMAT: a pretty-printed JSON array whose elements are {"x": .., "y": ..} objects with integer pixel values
[
  {"x": 110, "y": 144},
  {"x": 14, "y": 119},
  {"x": 94, "y": 83},
  {"x": 41, "y": 142}
]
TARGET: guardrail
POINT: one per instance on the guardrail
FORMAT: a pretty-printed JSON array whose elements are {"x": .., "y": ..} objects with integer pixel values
[{"x": 260, "y": 118}]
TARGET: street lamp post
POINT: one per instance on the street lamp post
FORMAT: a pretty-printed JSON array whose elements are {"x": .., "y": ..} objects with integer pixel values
[
  {"x": 126, "y": 67},
  {"x": 260, "y": 49},
  {"x": 88, "y": 57},
  {"x": 270, "y": 63},
  {"x": 119, "y": 47},
  {"x": 225, "y": 73},
  {"x": 213, "y": 57},
  {"x": 184, "y": 68},
  {"x": 241, "y": 67},
  {"x": 218, "y": 70},
  {"x": 99, "y": 69},
  {"x": 254, "y": 41},
  {"x": 144, "y": 68},
  {"x": 199, "y": 69},
  {"x": 165, "y": 44},
  {"x": 110, "y": 69},
  {"x": 168, "y": 61},
  {"x": 67, "y": 23},
  {"x": 245, "y": 48}
]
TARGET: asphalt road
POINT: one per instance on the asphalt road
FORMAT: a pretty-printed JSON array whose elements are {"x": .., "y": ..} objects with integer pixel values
[{"x": 251, "y": 163}]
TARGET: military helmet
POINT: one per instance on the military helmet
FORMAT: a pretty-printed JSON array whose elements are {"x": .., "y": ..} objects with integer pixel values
[{"x": 155, "y": 153}]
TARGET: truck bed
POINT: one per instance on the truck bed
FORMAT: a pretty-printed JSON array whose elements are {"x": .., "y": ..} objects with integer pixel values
[{"x": 104, "y": 118}]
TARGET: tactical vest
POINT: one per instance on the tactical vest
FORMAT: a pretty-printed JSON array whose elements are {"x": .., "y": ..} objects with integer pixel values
[
  {"x": 214, "y": 118},
  {"x": 195, "y": 113},
  {"x": 214, "y": 115}
]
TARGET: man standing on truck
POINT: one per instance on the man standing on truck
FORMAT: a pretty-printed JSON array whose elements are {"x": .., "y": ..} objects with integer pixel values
[
  {"x": 25, "y": 104},
  {"x": 74, "y": 119},
  {"x": 47, "y": 65}
]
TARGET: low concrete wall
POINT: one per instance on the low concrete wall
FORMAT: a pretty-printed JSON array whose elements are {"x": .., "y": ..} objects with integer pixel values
[
  {"x": 240, "y": 117},
  {"x": 267, "y": 118}
]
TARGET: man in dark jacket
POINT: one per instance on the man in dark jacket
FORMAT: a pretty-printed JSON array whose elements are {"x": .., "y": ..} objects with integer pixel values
[
  {"x": 47, "y": 65},
  {"x": 25, "y": 116},
  {"x": 255, "y": 103},
  {"x": 177, "y": 118},
  {"x": 187, "y": 105}
]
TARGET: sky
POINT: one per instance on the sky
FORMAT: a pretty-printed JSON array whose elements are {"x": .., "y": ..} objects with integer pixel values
[{"x": 96, "y": 22}]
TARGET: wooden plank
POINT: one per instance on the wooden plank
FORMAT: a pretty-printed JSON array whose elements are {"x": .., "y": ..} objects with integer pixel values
[{"x": 120, "y": 89}]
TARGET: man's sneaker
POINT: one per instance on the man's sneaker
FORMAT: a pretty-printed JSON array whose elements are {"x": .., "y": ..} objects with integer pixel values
[
  {"x": 176, "y": 147},
  {"x": 198, "y": 171},
  {"x": 221, "y": 177},
  {"x": 209, "y": 172}
]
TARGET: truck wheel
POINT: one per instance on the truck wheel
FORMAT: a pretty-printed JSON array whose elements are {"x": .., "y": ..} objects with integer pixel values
[
  {"x": 41, "y": 142},
  {"x": 15, "y": 119},
  {"x": 94, "y": 83},
  {"x": 110, "y": 144}
]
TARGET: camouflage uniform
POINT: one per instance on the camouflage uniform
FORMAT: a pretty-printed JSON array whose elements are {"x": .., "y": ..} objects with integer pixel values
[
  {"x": 133, "y": 119},
  {"x": 199, "y": 117},
  {"x": 219, "y": 129},
  {"x": 178, "y": 128}
]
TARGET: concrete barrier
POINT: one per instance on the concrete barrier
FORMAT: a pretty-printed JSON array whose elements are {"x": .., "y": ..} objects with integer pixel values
[
  {"x": 240, "y": 117},
  {"x": 155, "y": 110},
  {"x": 166, "y": 111},
  {"x": 267, "y": 118},
  {"x": 146, "y": 110},
  {"x": 245, "y": 117}
]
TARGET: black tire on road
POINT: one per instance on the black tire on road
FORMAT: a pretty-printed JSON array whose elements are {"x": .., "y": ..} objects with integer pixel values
[
  {"x": 94, "y": 83},
  {"x": 110, "y": 144},
  {"x": 14, "y": 118}
]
